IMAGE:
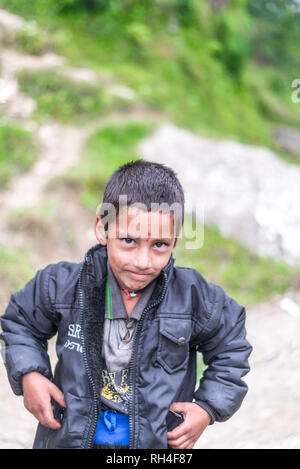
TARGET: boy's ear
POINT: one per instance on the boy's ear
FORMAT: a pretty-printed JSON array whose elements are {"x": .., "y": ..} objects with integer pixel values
[{"x": 99, "y": 231}]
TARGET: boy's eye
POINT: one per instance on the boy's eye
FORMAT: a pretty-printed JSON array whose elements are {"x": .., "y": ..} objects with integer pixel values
[
  {"x": 127, "y": 240},
  {"x": 159, "y": 244}
]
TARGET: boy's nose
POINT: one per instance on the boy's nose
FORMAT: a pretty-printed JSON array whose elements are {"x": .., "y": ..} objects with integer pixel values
[{"x": 142, "y": 261}]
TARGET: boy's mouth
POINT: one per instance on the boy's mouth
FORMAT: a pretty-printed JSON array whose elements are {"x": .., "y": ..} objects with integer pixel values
[{"x": 138, "y": 275}]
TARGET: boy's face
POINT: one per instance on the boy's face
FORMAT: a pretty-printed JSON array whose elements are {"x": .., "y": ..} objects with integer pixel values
[{"x": 139, "y": 245}]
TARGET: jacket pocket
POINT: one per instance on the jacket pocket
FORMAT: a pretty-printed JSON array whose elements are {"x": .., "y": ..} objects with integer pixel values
[
  {"x": 58, "y": 412},
  {"x": 173, "y": 343},
  {"x": 74, "y": 419}
]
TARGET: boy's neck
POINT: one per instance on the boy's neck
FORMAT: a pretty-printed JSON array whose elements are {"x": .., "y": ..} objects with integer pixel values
[
  {"x": 130, "y": 294},
  {"x": 130, "y": 301},
  {"x": 129, "y": 304}
]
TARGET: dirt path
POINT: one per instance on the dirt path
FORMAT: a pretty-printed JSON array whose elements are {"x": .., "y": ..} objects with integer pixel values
[
  {"x": 59, "y": 148},
  {"x": 269, "y": 416}
]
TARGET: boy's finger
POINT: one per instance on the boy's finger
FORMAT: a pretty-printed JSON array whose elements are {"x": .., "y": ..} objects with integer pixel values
[
  {"x": 57, "y": 395},
  {"x": 179, "y": 442},
  {"x": 189, "y": 444},
  {"x": 47, "y": 419},
  {"x": 178, "y": 407},
  {"x": 178, "y": 432}
]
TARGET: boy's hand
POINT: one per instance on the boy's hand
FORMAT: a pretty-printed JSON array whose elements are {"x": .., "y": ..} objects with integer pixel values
[
  {"x": 187, "y": 433},
  {"x": 37, "y": 392}
]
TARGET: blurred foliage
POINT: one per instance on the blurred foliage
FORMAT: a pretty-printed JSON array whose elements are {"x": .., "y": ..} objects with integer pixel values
[
  {"x": 110, "y": 147},
  {"x": 13, "y": 278},
  {"x": 274, "y": 23},
  {"x": 31, "y": 39},
  {"x": 37, "y": 219},
  {"x": 243, "y": 274},
  {"x": 17, "y": 151},
  {"x": 63, "y": 99},
  {"x": 219, "y": 68},
  {"x": 276, "y": 34}
]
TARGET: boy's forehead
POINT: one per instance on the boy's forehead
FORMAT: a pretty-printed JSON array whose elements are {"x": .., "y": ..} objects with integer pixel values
[{"x": 145, "y": 224}]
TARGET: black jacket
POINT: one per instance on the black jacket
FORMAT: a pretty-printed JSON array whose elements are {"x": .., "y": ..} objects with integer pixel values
[{"x": 185, "y": 314}]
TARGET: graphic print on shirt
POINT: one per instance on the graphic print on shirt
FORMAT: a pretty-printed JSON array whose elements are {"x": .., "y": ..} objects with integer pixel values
[
  {"x": 118, "y": 339},
  {"x": 115, "y": 389}
]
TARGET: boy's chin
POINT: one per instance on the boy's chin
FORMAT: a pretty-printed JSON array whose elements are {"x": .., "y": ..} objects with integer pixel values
[
  {"x": 136, "y": 284},
  {"x": 133, "y": 286}
]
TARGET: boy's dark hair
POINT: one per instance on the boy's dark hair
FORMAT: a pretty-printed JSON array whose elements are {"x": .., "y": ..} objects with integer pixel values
[{"x": 144, "y": 182}]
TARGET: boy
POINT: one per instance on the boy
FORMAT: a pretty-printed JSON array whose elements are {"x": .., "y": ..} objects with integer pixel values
[{"x": 128, "y": 327}]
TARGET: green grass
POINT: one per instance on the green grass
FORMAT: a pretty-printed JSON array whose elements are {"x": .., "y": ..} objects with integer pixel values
[
  {"x": 174, "y": 74},
  {"x": 201, "y": 80},
  {"x": 39, "y": 220},
  {"x": 62, "y": 99},
  {"x": 244, "y": 275},
  {"x": 17, "y": 151},
  {"x": 201, "y": 367},
  {"x": 33, "y": 40},
  {"x": 11, "y": 277}
]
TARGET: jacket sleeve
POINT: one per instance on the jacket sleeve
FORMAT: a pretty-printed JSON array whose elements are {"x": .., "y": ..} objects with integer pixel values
[
  {"x": 225, "y": 351},
  {"x": 27, "y": 324}
]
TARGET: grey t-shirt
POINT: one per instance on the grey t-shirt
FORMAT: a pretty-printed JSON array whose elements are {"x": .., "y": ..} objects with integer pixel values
[{"x": 116, "y": 349}]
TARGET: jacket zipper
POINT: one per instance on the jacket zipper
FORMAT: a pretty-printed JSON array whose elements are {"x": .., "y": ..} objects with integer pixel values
[
  {"x": 132, "y": 375},
  {"x": 92, "y": 429}
]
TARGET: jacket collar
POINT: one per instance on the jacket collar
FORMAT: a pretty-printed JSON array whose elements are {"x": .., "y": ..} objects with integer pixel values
[{"x": 96, "y": 261}]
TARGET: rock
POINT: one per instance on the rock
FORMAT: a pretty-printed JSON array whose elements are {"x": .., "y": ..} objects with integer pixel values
[
  {"x": 121, "y": 91},
  {"x": 13, "y": 103},
  {"x": 288, "y": 139},
  {"x": 290, "y": 306},
  {"x": 10, "y": 24},
  {"x": 247, "y": 191},
  {"x": 81, "y": 75}
]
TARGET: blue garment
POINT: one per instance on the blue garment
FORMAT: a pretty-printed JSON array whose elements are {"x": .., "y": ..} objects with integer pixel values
[{"x": 112, "y": 429}]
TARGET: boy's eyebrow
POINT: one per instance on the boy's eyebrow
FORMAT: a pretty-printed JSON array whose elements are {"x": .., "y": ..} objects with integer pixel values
[{"x": 128, "y": 235}]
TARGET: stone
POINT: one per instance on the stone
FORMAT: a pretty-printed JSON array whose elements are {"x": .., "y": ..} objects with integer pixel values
[
  {"x": 288, "y": 139},
  {"x": 247, "y": 191}
]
